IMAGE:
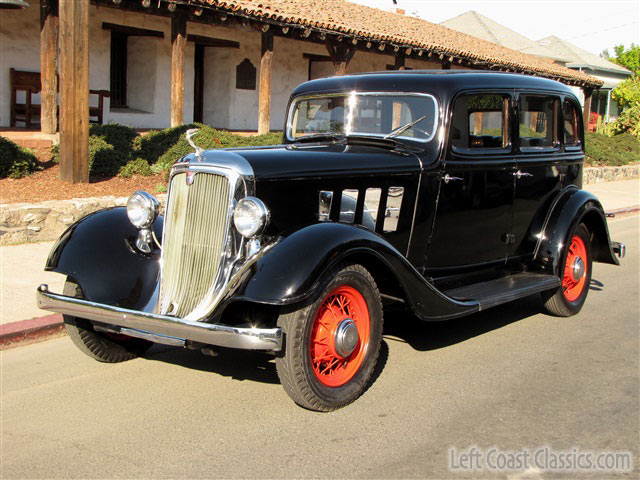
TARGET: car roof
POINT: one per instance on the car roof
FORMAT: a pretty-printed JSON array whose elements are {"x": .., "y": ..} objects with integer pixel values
[{"x": 442, "y": 82}]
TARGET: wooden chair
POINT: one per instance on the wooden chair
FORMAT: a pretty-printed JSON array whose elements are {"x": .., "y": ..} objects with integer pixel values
[{"x": 29, "y": 82}]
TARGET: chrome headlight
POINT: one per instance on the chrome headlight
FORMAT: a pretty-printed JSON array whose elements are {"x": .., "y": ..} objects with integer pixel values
[
  {"x": 250, "y": 216},
  {"x": 142, "y": 209}
]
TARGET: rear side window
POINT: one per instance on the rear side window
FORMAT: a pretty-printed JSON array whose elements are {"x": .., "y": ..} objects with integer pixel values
[
  {"x": 538, "y": 121},
  {"x": 480, "y": 122},
  {"x": 571, "y": 124}
]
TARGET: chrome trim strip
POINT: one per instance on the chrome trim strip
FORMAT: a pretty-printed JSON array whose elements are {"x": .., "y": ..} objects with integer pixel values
[
  {"x": 347, "y": 94},
  {"x": 211, "y": 334},
  {"x": 132, "y": 332}
]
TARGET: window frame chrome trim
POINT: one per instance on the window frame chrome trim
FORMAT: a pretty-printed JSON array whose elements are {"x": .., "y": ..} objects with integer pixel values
[{"x": 296, "y": 100}]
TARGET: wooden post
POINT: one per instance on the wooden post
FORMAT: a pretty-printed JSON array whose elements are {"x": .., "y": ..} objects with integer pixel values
[
  {"x": 264, "y": 115},
  {"x": 74, "y": 90},
  {"x": 341, "y": 54},
  {"x": 178, "y": 42},
  {"x": 48, "y": 61},
  {"x": 399, "y": 63},
  {"x": 586, "y": 109}
]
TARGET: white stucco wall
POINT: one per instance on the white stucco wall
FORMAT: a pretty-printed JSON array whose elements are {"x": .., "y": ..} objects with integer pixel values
[{"x": 19, "y": 49}]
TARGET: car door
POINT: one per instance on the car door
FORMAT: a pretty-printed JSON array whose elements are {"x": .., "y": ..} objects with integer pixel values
[
  {"x": 474, "y": 210},
  {"x": 539, "y": 168}
]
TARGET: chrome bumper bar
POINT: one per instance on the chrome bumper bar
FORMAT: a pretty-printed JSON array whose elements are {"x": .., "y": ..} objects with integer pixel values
[
  {"x": 620, "y": 249},
  {"x": 209, "y": 333}
]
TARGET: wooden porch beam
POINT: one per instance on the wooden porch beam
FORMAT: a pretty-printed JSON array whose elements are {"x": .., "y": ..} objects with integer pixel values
[
  {"x": 586, "y": 109},
  {"x": 341, "y": 54},
  {"x": 178, "y": 42},
  {"x": 48, "y": 63},
  {"x": 264, "y": 104},
  {"x": 212, "y": 42},
  {"x": 74, "y": 90},
  {"x": 132, "y": 31}
]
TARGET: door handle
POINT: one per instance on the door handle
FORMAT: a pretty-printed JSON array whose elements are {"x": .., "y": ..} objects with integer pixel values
[
  {"x": 448, "y": 178},
  {"x": 520, "y": 174}
]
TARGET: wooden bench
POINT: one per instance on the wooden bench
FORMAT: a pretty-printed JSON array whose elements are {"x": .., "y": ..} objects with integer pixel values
[{"x": 29, "y": 83}]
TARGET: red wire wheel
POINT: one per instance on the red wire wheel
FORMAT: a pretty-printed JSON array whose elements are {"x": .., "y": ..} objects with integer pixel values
[
  {"x": 575, "y": 270},
  {"x": 336, "y": 353}
]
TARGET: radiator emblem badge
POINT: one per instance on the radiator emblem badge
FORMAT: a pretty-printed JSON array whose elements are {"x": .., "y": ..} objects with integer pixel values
[{"x": 190, "y": 176}]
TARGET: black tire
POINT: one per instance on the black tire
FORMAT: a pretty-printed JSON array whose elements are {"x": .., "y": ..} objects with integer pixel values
[
  {"x": 559, "y": 302},
  {"x": 300, "y": 374},
  {"x": 97, "y": 345}
]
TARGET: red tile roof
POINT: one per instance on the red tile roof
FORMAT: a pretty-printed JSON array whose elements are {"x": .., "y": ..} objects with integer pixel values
[{"x": 372, "y": 24}]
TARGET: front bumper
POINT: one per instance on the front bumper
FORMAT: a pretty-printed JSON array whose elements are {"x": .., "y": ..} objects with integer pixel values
[{"x": 162, "y": 325}]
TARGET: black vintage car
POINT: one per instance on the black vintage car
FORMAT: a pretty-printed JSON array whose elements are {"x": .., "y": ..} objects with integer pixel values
[{"x": 449, "y": 192}]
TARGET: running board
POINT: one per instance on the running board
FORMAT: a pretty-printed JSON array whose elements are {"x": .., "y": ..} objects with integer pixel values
[{"x": 505, "y": 289}]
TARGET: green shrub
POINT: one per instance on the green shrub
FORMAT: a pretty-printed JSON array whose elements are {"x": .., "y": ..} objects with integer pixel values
[
  {"x": 55, "y": 153},
  {"x": 152, "y": 145},
  {"x": 15, "y": 161},
  {"x": 629, "y": 121},
  {"x": 617, "y": 150},
  {"x": 139, "y": 166},
  {"x": 120, "y": 136},
  {"x": 208, "y": 138},
  {"x": 104, "y": 159}
]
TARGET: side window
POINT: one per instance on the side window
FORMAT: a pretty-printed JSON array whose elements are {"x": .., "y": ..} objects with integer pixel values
[
  {"x": 538, "y": 121},
  {"x": 571, "y": 124},
  {"x": 480, "y": 122}
]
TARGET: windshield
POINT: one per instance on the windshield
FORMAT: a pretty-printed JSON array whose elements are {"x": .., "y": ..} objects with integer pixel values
[{"x": 411, "y": 116}]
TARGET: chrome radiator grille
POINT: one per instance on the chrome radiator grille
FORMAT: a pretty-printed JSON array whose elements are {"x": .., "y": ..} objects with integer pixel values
[{"x": 196, "y": 226}]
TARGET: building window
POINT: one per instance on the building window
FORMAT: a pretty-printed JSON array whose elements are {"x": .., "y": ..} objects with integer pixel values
[
  {"x": 246, "y": 75},
  {"x": 118, "y": 69}
]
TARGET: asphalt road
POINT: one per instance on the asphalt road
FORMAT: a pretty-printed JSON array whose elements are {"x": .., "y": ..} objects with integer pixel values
[{"x": 508, "y": 377}]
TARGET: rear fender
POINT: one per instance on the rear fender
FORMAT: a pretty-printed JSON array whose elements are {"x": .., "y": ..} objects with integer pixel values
[
  {"x": 575, "y": 208},
  {"x": 99, "y": 253},
  {"x": 295, "y": 269}
]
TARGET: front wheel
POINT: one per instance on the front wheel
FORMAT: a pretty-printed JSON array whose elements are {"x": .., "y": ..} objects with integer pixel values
[
  {"x": 575, "y": 275},
  {"x": 104, "y": 347},
  {"x": 332, "y": 345}
]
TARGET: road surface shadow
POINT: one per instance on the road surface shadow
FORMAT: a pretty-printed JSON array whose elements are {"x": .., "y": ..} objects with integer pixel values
[
  {"x": 402, "y": 325},
  {"x": 236, "y": 364},
  {"x": 399, "y": 325}
]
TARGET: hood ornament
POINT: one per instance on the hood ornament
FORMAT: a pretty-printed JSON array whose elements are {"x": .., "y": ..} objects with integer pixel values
[{"x": 190, "y": 133}]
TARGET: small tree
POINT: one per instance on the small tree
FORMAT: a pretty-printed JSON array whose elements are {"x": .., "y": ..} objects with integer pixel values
[
  {"x": 627, "y": 93},
  {"x": 627, "y": 58}
]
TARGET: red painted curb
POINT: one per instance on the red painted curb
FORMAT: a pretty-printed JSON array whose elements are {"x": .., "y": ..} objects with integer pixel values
[
  {"x": 620, "y": 211},
  {"x": 29, "y": 329}
]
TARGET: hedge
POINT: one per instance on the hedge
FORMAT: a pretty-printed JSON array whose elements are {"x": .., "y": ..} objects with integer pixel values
[
  {"x": 617, "y": 150},
  {"x": 15, "y": 161}
]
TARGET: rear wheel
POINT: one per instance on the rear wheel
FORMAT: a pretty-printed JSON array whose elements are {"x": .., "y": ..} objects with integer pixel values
[
  {"x": 332, "y": 345},
  {"x": 569, "y": 298},
  {"x": 104, "y": 347}
]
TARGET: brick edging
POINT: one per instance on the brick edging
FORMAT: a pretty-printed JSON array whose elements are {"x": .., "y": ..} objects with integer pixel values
[{"x": 33, "y": 328}]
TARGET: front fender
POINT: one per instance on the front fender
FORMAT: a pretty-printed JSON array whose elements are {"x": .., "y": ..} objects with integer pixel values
[
  {"x": 578, "y": 207},
  {"x": 295, "y": 269},
  {"x": 99, "y": 253}
]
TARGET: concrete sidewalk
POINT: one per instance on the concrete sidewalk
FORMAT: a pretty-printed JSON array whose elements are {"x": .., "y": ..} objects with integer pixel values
[{"x": 21, "y": 266}]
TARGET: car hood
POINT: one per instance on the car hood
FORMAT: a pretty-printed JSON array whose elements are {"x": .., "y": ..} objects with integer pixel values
[{"x": 318, "y": 160}]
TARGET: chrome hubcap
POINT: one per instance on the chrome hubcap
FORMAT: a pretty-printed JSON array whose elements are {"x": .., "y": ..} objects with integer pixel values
[
  {"x": 346, "y": 338},
  {"x": 577, "y": 270}
]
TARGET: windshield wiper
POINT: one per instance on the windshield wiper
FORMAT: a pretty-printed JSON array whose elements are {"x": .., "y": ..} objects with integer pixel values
[
  {"x": 399, "y": 130},
  {"x": 315, "y": 136}
]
